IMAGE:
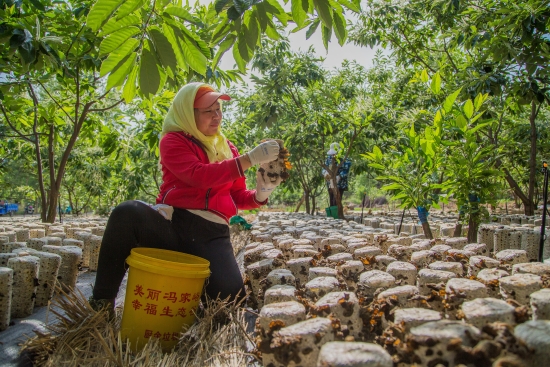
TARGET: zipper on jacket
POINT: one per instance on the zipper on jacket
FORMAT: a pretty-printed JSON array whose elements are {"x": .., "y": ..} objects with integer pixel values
[
  {"x": 206, "y": 199},
  {"x": 167, "y": 192}
]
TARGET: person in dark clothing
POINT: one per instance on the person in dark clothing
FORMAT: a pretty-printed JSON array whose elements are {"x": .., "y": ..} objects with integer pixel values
[{"x": 341, "y": 175}]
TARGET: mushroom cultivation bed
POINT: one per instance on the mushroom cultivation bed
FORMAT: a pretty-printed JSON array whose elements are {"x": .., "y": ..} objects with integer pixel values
[
  {"x": 338, "y": 293},
  {"x": 34, "y": 256}
]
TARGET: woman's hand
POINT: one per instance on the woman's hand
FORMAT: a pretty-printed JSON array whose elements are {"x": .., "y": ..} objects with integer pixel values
[
  {"x": 265, "y": 185},
  {"x": 265, "y": 152}
]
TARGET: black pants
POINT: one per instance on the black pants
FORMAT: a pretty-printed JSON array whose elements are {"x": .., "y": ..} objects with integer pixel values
[
  {"x": 332, "y": 198},
  {"x": 134, "y": 224}
]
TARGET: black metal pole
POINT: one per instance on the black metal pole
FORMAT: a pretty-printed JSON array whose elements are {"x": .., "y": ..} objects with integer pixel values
[
  {"x": 363, "y": 207},
  {"x": 544, "y": 200},
  {"x": 401, "y": 223}
]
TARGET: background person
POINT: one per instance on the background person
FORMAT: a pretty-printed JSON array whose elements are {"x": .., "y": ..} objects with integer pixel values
[
  {"x": 203, "y": 187},
  {"x": 341, "y": 175}
]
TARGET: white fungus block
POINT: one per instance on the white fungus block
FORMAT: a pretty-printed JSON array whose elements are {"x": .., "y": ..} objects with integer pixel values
[
  {"x": 71, "y": 256},
  {"x": 280, "y": 293},
  {"x": 322, "y": 271},
  {"x": 37, "y": 232},
  {"x": 335, "y": 249},
  {"x": 299, "y": 344},
  {"x": 478, "y": 248},
  {"x": 36, "y": 243},
  {"x": 403, "y": 272},
  {"x": 459, "y": 290},
  {"x": 61, "y": 235},
  {"x": 47, "y": 276},
  {"x": 537, "y": 268},
  {"x": 22, "y": 234},
  {"x": 367, "y": 251},
  {"x": 25, "y": 278},
  {"x": 451, "y": 266},
  {"x": 274, "y": 253},
  {"x": 413, "y": 317},
  {"x": 320, "y": 286},
  {"x": 490, "y": 277},
  {"x": 300, "y": 268},
  {"x": 339, "y": 258},
  {"x": 353, "y": 354},
  {"x": 511, "y": 257},
  {"x": 298, "y": 253},
  {"x": 6, "y": 284},
  {"x": 478, "y": 263},
  {"x": 429, "y": 277},
  {"x": 482, "y": 311},
  {"x": 421, "y": 245},
  {"x": 373, "y": 280},
  {"x": 406, "y": 295},
  {"x": 289, "y": 313},
  {"x": 401, "y": 253},
  {"x": 519, "y": 287},
  {"x": 540, "y": 304},
  {"x": 54, "y": 241},
  {"x": 281, "y": 276},
  {"x": 352, "y": 246},
  {"x": 284, "y": 245},
  {"x": 95, "y": 245},
  {"x": 255, "y": 254},
  {"x": 434, "y": 341},
  {"x": 4, "y": 257},
  {"x": 350, "y": 271},
  {"x": 456, "y": 242},
  {"x": 442, "y": 249},
  {"x": 530, "y": 242},
  {"x": 381, "y": 262},
  {"x": 12, "y": 236},
  {"x": 10, "y": 246},
  {"x": 423, "y": 258},
  {"x": 345, "y": 307},
  {"x": 536, "y": 335},
  {"x": 98, "y": 231}
]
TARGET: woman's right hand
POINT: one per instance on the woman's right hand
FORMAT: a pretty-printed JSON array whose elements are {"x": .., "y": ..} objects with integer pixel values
[{"x": 267, "y": 151}]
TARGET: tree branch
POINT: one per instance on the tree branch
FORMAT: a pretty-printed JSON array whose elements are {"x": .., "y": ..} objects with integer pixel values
[
  {"x": 106, "y": 108},
  {"x": 53, "y": 99}
]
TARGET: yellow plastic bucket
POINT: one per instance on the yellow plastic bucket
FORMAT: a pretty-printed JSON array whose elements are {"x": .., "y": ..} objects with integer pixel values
[{"x": 163, "y": 290}]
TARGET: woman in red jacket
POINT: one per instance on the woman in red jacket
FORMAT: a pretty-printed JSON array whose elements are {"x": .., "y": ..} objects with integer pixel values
[{"x": 203, "y": 186}]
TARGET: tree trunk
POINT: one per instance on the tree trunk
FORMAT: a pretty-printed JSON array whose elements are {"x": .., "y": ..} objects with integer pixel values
[
  {"x": 530, "y": 206},
  {"x": 306, "y": 199},
  {"x": 458, "y": 227},
  {"x": 300, "y": 203},
  {"x": 427, "y": 230},
  {"x": 473, "y": 225}
]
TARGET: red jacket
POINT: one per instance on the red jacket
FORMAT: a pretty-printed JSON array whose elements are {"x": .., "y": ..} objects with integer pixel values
[{"x": 190, "y": 181}]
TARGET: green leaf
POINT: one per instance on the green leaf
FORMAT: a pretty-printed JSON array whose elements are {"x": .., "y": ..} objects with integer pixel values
[
  {"x": 450, "y": 100},
  {"x": 479, "y": 126},
  {"x": 436, "y": 83},
  {"x": 169, "y": 32},
  {"x": 114, "y": 25},
  {"x": 116, "y": 39},
  {"x": 299, "y": 11},
  {"x": 350, "y": 5},
  {"x": 273, "y": 6},
  {"x": 219, "y": 5},
  {"x": 128, "y": 7},
  {"x": 252, "y": 30},
  {"x": 461, "y": 123},
  {"x": 117, "y": 55},
  {"x": 272, "y": 33},
  {"x": 424, "y": 76},
  {"x": 377, "y": 166},
  {"x": 324, "y": 11},
  {"x": 182, "y": 13},
  {"x": 193, "y": 38},
  {"x": 100, "y": 12},
  {"x": 377, "y": 152},
  {"x": 220, "y": 32},
  {"x": 326, "y": 33},
  {"x": 478, "y": 101},
  {"x": 312, "y": 28},
  {"x": 392, "y": 186},
  {"x": 468, "y": 108},
  {"x": 129, "y": 90},
  {"x": 241, "y": 64},
  {"x": 194, "y": 57},
  {"x": 163, "y": 48},
  {"x": 119, "y": 74},
  {"x": 243, "y": 48},
  {"x": 476, "y": 117},
  {"x": 340, "y": 27},
  {"x": 224, "y": 46},
  {"x": 149, "y": 75}
]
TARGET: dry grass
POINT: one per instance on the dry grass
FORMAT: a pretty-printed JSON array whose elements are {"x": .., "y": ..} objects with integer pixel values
[{"x": 84, "y": 337}]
